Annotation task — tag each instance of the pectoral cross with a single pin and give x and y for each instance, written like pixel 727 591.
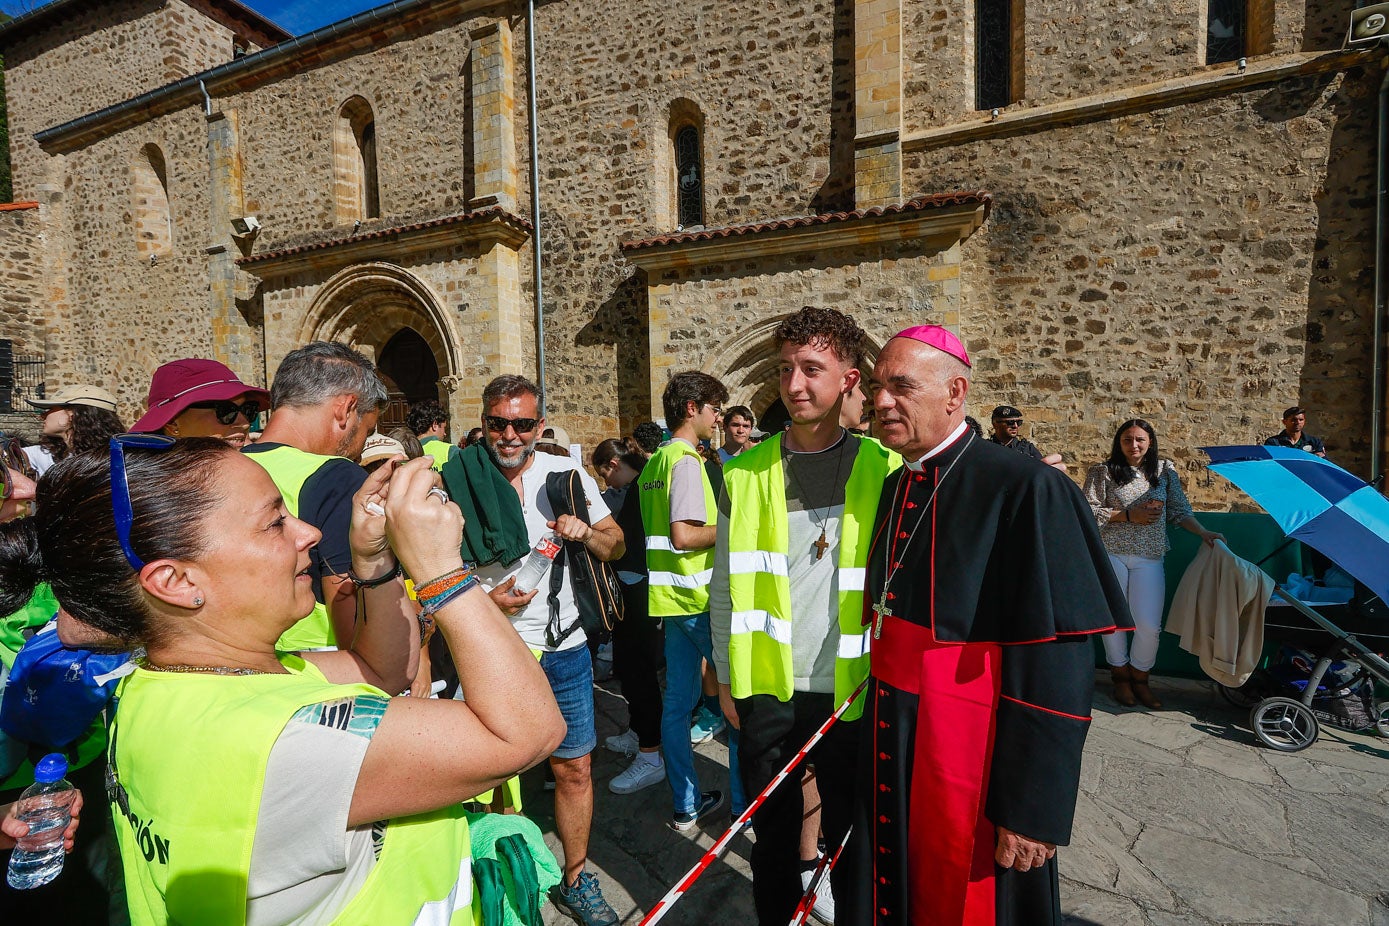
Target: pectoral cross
pixel 882 610
pixel 821 545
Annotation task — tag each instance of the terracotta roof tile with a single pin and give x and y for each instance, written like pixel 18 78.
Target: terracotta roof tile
pixel 919 204
pixel 480 215
pixel 15 207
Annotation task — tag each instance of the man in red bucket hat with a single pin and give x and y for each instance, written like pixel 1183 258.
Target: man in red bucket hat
pixel 201 398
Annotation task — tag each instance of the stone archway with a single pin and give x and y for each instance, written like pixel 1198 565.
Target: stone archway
pixel 370 305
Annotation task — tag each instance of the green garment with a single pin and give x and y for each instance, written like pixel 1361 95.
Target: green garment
pixel 494 529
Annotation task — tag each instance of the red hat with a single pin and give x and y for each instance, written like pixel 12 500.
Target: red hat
pixel 939 338
pixel 181 383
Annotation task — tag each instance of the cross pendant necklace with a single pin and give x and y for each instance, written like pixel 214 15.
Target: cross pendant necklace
pixel 821 545
pixel 881 609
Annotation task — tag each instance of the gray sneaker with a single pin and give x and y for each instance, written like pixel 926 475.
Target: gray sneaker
pixel 584 902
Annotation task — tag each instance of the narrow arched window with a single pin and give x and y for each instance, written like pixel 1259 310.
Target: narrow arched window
pixel 998 65
pixel 356 195
pixel 154 222
pixel 689 178
pixel 1227 25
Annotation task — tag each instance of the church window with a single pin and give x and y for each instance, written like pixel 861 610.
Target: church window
pixel 689 177
pixel 1226 27
pixel 997 53
pixel 154 222
pixel 356 194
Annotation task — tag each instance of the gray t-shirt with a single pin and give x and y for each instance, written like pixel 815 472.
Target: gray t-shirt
pixel 814 503
pixel 687 491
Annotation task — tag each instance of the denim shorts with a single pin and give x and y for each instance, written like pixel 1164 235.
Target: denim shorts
pixel 570 673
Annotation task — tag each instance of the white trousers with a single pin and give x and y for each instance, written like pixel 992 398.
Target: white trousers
pixel 1144 585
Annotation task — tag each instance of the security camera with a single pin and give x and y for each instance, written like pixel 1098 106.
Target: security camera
pixel 1368 25
pixel 245 226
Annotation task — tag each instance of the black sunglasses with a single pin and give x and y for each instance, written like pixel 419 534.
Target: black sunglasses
pixel 12 458
pixel 120 486
pixel 498 424
pixel 227 410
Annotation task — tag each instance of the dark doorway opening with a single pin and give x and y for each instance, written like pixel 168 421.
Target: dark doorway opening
pixel 411 374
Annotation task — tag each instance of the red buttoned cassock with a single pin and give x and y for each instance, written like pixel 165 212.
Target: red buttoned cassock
pixel 981 686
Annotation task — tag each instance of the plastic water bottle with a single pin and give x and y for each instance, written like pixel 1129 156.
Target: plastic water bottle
pixel 46 806
pixel 536 565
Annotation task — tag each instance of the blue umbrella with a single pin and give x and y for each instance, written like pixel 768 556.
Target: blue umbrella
pixel 1317 502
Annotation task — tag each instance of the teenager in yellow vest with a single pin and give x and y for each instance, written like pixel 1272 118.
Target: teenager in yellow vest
pixel 429 421
pixel 251 783
pixel 786 605
pixel 678 511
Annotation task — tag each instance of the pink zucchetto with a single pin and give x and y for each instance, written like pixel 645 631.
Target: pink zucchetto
pixel 939 338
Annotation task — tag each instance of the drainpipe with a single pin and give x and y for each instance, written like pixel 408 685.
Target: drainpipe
pixel 207 99
pixel 535 207
pixel 1381 218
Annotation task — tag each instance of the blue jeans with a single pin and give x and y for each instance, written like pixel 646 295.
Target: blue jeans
pixel 687 642
pixel 570 672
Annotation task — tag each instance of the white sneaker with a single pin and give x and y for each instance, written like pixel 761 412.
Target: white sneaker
pixel 625 743
pixel 640 774
pixel 823 911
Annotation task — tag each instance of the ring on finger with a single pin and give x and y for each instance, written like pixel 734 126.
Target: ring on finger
pixel 440 494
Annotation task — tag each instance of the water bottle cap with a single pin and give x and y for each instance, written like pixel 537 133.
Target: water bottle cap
pixel 51 768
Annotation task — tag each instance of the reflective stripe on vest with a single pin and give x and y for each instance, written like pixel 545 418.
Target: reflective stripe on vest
pixel 759 647
pixel 289 469
pixel 186 848
pixel 679 579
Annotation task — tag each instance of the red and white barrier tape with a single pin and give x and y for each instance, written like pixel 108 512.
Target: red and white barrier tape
pixel 822 871
pixel 663 905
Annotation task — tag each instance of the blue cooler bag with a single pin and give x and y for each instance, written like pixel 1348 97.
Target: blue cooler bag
pixel 54 692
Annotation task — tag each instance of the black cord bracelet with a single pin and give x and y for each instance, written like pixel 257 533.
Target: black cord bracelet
pixel 358 581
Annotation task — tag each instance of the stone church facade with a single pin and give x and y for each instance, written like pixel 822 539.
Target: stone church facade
pixel 1124 212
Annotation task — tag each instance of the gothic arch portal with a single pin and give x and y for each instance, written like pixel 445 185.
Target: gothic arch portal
pixel 366 305
pixel 748 365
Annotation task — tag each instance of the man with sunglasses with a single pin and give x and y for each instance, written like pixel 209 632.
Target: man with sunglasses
pixel 500 483
pixel 326 398
pixel 201 398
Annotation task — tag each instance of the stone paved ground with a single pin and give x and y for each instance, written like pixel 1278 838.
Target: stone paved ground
pixel 1183 820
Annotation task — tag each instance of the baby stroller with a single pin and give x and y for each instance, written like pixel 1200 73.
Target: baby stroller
pixel 1347 521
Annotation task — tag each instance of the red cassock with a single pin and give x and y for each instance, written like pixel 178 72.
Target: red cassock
pixel 983 674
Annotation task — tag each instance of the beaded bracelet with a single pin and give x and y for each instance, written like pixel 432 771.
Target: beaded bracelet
pixel 436 585
pixel 431 605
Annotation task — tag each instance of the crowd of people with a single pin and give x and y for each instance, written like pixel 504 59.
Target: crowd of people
pixel 335 679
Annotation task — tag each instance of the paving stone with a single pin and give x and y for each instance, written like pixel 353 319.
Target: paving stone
pixel 1111 743
pixel 1191 800
pixel 1232 760
pixel 1300 774
pixel 1086 906
pixel 1345 835
pixel 1229 886
pixel 1155 729
pixel 1098 856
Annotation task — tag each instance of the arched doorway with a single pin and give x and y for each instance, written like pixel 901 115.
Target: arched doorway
pixel 411 374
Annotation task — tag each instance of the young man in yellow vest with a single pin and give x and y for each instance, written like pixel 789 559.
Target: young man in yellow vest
pixel 786 604
pixel 429 421
pixel 678 512
pixel 324 402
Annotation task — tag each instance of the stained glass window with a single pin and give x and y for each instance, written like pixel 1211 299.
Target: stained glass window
pixel 993 57
pixel 1225 30
pixel 689 178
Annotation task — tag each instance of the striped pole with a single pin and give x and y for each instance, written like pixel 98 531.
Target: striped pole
pixel 822 871
pixel 663 905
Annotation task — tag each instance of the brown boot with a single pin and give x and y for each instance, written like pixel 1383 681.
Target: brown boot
pixel 1143 692
pixel 1123 690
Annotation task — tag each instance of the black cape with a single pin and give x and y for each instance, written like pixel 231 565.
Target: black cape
pixel 1009 555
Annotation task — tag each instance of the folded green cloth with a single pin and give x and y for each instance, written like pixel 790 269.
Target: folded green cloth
pixel 494 529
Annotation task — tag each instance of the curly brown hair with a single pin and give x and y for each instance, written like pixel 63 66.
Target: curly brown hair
pixel 824 328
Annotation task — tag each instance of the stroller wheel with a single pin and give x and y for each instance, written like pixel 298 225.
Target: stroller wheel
pixel 1245 696
pixel 1284 724
pixel 1382 722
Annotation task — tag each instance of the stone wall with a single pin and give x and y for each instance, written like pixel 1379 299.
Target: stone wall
pixel 1201 266
pixel 23 315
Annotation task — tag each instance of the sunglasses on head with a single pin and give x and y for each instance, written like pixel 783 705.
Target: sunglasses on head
pixel 12 458
pixel 120 485
pixel 497 424
pixel 227 410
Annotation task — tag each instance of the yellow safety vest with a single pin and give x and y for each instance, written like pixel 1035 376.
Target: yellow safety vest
pixel 679 579
pixel 190 752
pixel 759 647
pixel 289 469
pixel 438 449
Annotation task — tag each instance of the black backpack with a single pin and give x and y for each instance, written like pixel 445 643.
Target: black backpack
pixel 597 592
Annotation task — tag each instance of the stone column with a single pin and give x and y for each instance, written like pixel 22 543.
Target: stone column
pixel 235 341
pixel 494 116
pixel 877 102
pixel 504 337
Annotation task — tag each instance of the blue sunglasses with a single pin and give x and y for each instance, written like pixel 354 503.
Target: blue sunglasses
pixel 120 486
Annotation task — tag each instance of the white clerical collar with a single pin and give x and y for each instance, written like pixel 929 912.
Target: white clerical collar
pixel 916 466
